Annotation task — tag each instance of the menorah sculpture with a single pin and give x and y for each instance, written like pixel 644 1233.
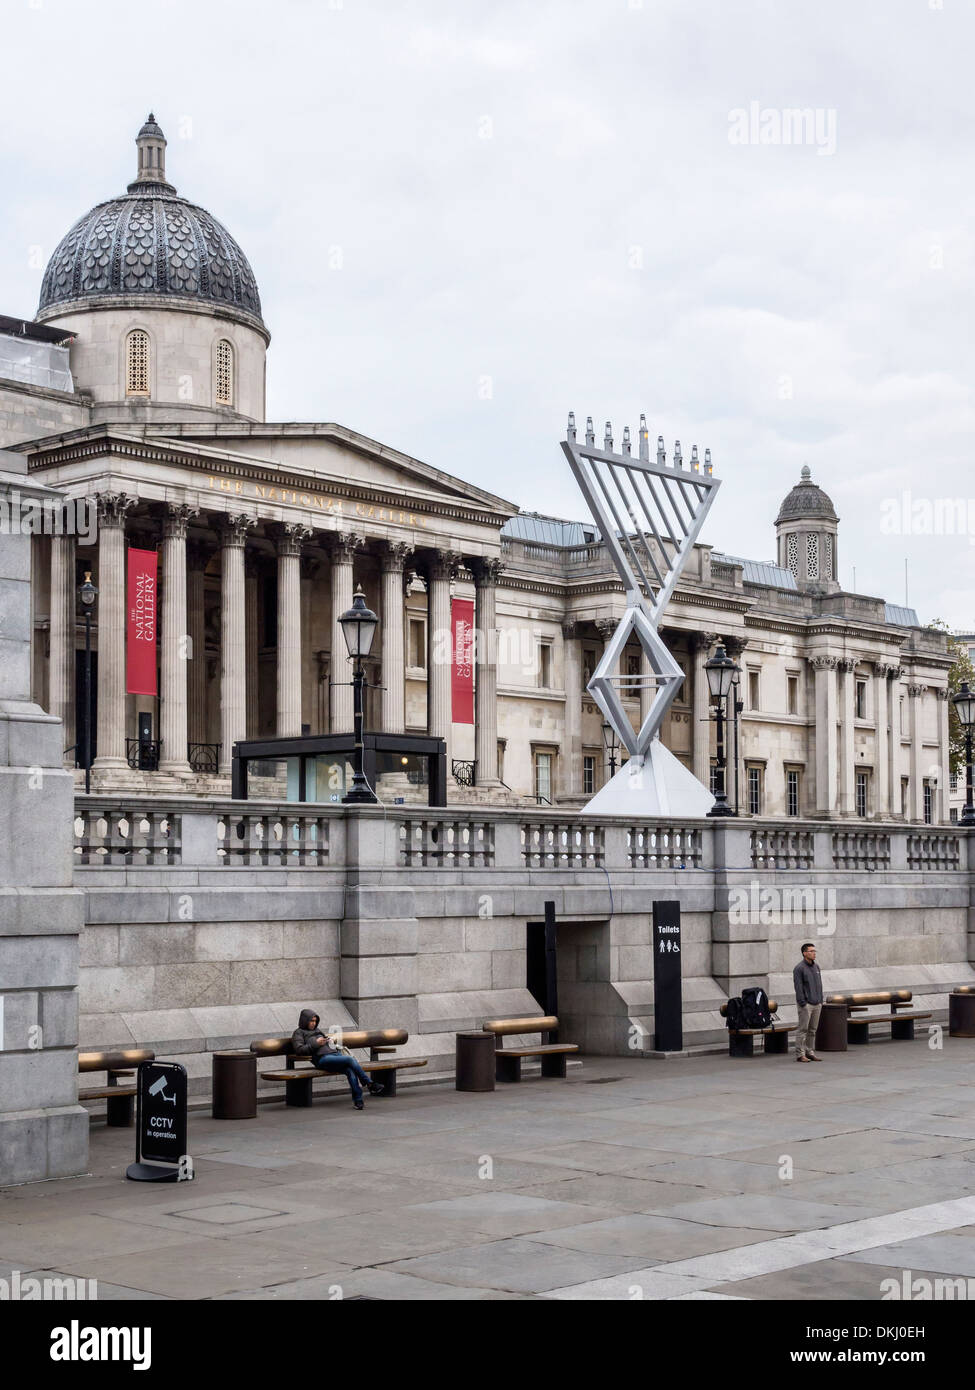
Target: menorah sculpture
pixel 649 514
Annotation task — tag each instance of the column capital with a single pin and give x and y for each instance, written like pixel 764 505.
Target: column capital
pixel 734 646
pixel 233 529
pixel 702 641
pixel 486 569
pixel 393 556
pixel 883 669
pixel 571 630
pixel 344 546
pixel 113 507
pixel 442 564
pixel 916 691
pixel 290 536
pixel 177 518
pixel 606 627
pixel 846 663
pixel 942 692
pixel 823 663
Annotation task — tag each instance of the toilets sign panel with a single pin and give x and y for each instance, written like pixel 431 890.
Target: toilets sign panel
pixel 668 1013
pixel 162 1111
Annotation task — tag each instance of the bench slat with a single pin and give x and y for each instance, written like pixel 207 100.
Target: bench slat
pixel 882 1018
pixel 501 1027
pixel 774 1028
pixel 310 1073
pixel 107 1093
pixel 114 1061
pixel 536 1051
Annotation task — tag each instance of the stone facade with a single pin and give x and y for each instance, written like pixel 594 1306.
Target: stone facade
pixel 43 1130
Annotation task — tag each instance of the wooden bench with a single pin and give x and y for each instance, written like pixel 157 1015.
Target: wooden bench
pixel 858 1029
pixel 741 1041
pixel 299 1079
pixel 121 1064
pixel 507 1061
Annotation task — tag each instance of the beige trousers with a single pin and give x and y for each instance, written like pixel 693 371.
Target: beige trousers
pixel 806 1032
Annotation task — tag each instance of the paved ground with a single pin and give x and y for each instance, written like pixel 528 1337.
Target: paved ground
pixel 709 1178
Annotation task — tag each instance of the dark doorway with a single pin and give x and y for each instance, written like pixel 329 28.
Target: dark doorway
pixel 79 707
pixel 541 960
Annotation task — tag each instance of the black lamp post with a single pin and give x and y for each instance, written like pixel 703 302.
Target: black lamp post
pixel 359 625
pixel 88 594
pixel 611 744
pixel 964 703
pixel 721 672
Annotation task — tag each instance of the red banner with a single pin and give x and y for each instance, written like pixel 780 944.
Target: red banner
pixel 141 626
pixel 462 656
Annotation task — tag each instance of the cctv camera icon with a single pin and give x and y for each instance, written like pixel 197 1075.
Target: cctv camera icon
pixel 158 1088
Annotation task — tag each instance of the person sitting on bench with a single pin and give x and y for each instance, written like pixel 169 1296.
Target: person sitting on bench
pixel 308 1040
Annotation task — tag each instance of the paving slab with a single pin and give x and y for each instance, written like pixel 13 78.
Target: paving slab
pixel 522 1266
pixel 657 1239
pixel 827 1280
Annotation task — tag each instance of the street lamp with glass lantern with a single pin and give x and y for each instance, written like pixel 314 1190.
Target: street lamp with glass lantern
pixel 359 625
pixel 88 593
pixel 964 703
pixel 611 745
pixel 721 672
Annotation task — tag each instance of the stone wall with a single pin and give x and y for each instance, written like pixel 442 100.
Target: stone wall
pixel 28 412
pixel 212 924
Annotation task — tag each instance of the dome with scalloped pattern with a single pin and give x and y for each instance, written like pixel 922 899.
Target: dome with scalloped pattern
pixel 151 245
pixel 806 500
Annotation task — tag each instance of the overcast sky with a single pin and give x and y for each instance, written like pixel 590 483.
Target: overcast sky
pixel 466 219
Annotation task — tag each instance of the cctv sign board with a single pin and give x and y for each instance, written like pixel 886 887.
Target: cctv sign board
pixel 162 1111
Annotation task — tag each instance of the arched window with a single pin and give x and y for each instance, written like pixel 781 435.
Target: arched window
pixel 225 373
pixel 137 363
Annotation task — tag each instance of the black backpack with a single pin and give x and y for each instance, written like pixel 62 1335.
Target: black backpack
pixel 754 1007
pixel 734 1014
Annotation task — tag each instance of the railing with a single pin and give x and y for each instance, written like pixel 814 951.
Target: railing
pixel 562 845
pixel 464 773
pixel 664 847
pixel 860 849
pixel 289 840
pixel 204 757
pixel 782 849
pixel 143 755
pixel 933 852
pixel 439 844
pixel 126 837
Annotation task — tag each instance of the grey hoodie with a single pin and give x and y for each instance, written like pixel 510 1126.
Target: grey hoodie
pixel 307 1041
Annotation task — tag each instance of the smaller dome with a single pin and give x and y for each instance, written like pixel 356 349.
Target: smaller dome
pixel 806 502
pixel 150 128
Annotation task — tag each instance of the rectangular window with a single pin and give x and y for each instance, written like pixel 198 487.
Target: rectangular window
pixel 953 781
pixel 713 779
pixel 905 795
pixel 953 815
pixel 755 791
pixel 543 777
pixel 753 690
pixel 588 776
pixel 928 804
pixel 861 793
pixel 545 665
pixel 861 700
pixel 792 694
pixel 792 791
pixel 589 660
pixel 418 644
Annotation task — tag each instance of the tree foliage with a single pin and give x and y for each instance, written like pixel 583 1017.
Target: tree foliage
pixel 962 670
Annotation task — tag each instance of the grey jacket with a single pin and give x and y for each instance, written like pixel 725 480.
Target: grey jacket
pixel 808 981
pixel 307 1041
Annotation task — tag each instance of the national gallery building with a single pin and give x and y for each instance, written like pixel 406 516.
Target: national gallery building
pixel 228 547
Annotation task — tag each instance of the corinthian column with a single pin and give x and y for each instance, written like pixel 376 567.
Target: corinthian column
pixel 825 668
pixel 175 643
pixel 701 644
pixel 197 557
pixel 487 572
pixel 62 658
pixel 393 554
pixel 881 670
pixel 343 549
pixel 291 537
pixel 847 666
pixel 233 673
pixel 250 637
pixel 112 508
pixel 916 790
pixel 572 664
pixel 441 568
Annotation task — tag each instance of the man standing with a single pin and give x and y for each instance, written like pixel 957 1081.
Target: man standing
pixel 808 981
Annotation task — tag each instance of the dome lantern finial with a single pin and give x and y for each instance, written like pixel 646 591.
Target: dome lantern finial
pixel 151 144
